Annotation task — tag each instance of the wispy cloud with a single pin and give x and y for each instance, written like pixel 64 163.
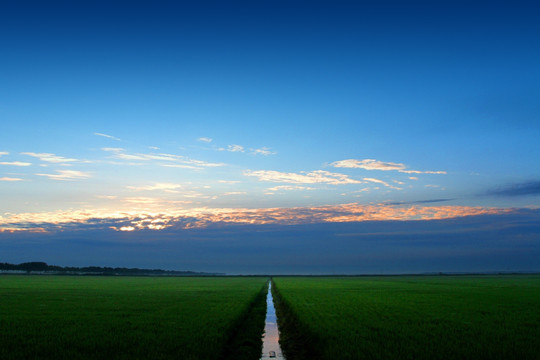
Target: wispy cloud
pixel 521 189
pixel 107 136
pixel 289 188
pixel 67 175
pixel 205 139
pixel 373 180
pixel 108 197
pixel 181 166
pixel 15 163
pixel 430 201
pixel 239 148
pixel 167 187
pixel 5 178
pixel 166 160
pixel 314 177
pixel 200 163
pixel 263 151
pixel 2 153
pixel 229 193
pixel 423 172
pixel 233 148
pixel 51 158
pixel 154 202
pixel 372 164
pixel 113 149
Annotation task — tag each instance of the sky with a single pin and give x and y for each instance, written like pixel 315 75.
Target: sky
pixel 182 134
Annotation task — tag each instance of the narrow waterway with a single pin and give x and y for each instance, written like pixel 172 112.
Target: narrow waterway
pixel 271 347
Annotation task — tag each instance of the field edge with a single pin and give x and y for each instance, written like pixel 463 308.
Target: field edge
pixel 245 342
pixel 296 340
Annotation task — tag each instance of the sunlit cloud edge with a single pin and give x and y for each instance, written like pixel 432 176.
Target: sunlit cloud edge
pixel 181 218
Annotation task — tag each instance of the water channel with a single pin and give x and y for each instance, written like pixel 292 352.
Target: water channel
pixel 271 347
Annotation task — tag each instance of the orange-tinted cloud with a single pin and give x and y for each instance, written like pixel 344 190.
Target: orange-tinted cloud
pixel 314 177
pixel 204 217
pixel 372 164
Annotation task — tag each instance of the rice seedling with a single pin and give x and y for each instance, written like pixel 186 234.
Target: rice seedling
pixel 424 317
pixel 62 317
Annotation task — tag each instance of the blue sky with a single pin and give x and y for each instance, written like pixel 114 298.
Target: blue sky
pixel 216 111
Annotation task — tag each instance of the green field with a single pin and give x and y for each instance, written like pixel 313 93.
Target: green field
pixel 439 317
pixel 61 317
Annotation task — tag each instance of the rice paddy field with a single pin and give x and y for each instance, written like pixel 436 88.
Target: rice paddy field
pixel 62 317
pixel 424 317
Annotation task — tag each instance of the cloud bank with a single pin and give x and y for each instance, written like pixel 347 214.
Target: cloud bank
pixel 181 218
pixel 521 189
pixel 507 241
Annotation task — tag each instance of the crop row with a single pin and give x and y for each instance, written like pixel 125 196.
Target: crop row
pixel 58 317
pixel 409 317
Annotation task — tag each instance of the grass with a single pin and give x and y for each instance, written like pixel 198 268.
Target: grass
pixel 462 317
pixel 60 317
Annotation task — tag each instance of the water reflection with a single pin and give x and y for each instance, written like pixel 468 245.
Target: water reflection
pixel 271 347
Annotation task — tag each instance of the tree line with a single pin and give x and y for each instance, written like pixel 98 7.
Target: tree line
pixel 39 266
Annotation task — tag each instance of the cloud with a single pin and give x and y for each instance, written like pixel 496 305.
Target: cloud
pixel 205 139
pixel 166 160
pixel 5 178
pixel 153 203
pixel 521 189
pixel 314 177
pixel 239 148
pixel 200 163
pixel 372 164
pixel 2 153
pixel 228 181
pixel 107 136
pixel 168 187
pixel 377 181
pixel 413 178
pixel 234 193
pixel 15 163
pixel 423 172
pixel 107 197
pixel 289 188
pixel 180 166
pixel 67 175
pixel 418 202
pixel 263 151
pixel 233 148
pixel 113 149
pixel 52 158
pixel 173 215
pixel 368 164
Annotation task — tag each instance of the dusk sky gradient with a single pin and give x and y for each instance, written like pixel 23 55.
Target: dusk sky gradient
pixel 146 122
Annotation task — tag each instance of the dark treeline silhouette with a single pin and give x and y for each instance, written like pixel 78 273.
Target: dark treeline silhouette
pixel 38 266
